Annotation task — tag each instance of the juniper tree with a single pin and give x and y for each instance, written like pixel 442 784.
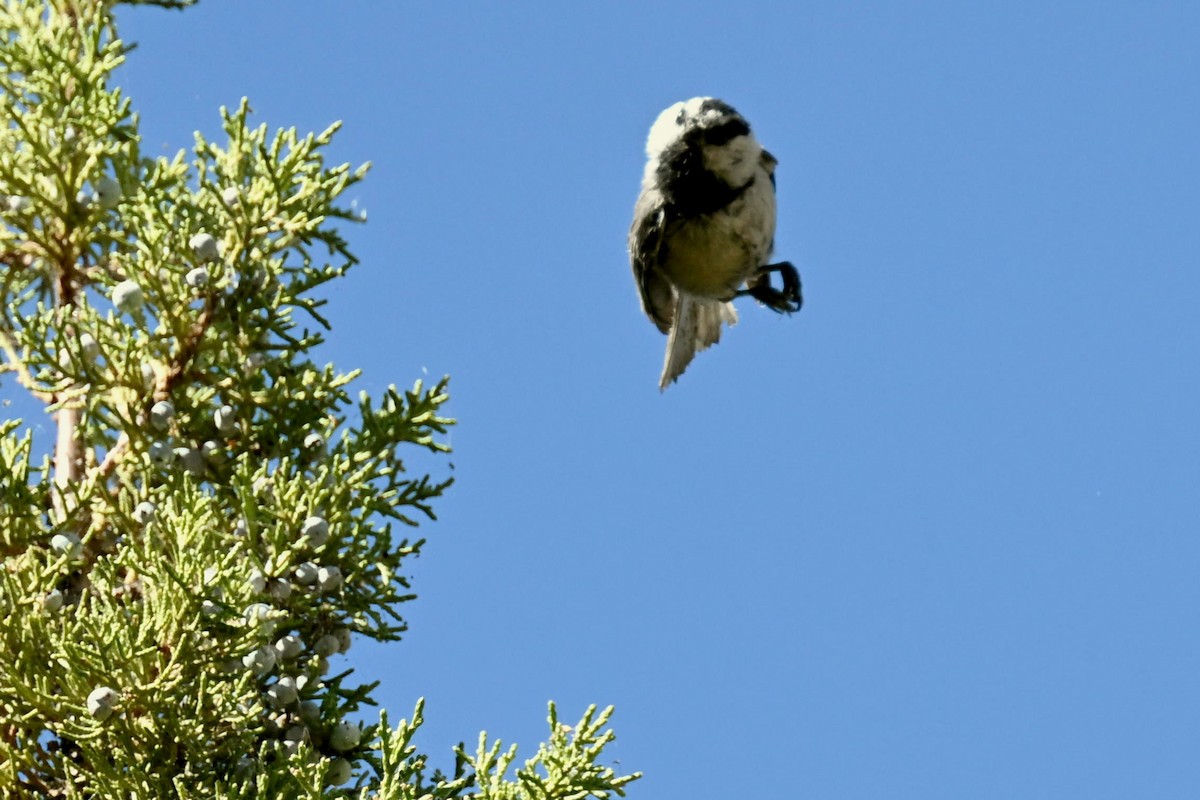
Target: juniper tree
pixel 216 517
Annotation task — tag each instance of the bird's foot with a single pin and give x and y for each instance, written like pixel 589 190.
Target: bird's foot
pixel 786 300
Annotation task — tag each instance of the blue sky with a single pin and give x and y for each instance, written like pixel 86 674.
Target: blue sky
pixel 936 536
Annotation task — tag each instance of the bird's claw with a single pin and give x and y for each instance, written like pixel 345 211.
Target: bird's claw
pixel 787 300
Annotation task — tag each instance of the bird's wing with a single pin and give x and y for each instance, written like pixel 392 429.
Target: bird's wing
pixel 645 241
pixel 768 163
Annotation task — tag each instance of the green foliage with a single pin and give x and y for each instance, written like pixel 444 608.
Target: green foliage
pixel 564 768
pixel 218 517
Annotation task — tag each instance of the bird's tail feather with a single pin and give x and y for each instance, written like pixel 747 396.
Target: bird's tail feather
pixel 696 325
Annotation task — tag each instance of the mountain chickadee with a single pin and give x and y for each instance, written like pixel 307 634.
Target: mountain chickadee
pixel 704 227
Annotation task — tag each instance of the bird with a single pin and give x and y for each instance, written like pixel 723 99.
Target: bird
pixel 704 228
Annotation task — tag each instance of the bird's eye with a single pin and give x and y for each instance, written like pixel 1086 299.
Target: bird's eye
pixel 681 117
pixel 729 129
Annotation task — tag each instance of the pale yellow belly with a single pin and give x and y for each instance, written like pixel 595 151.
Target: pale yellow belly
pixel 706 261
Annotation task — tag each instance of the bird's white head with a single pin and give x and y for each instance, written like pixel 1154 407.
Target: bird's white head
pixel 714 129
